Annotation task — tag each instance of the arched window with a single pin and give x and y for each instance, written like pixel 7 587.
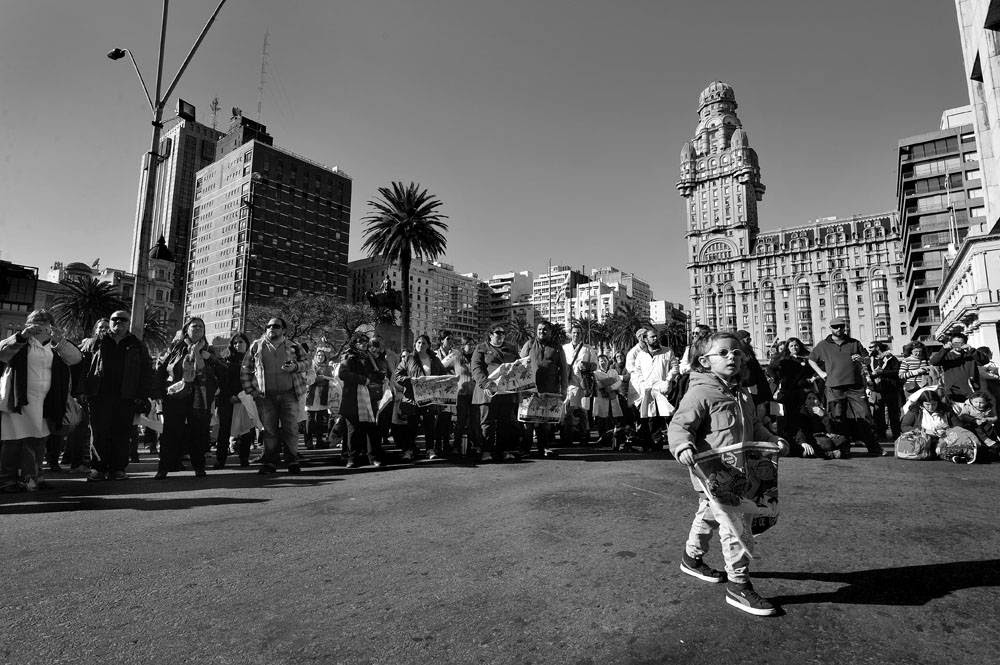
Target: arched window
pixel 717 250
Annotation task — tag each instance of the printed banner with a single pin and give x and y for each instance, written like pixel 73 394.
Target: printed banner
pixel 540 408
pixel 742 476
pixel 514 377
pixel 435 389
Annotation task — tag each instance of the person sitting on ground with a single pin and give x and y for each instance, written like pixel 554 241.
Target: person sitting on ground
pixel 814 437
pixel 978 415
pixel 930 413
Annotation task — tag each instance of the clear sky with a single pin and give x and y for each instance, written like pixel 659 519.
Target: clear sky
pixel 551 129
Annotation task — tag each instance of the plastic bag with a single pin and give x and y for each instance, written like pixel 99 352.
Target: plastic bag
pixel 958 445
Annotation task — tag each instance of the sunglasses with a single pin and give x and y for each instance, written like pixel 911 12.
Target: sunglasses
pixel 841 327
pixel 725 353
pixel 119 319
pixel 498 332
pixel 273 325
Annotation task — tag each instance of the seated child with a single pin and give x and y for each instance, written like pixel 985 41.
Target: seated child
pixel 978 415
pixel 814 436
pixel 717 411
pixel 930 413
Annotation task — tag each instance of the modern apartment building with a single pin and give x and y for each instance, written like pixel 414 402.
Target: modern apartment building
pixel 938 187
pixel 266 223
pixel 510 297
pixel 664 313
pixel 629 288
pixel 552 293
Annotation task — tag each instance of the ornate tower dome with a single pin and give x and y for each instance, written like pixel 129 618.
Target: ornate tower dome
pixel 717 91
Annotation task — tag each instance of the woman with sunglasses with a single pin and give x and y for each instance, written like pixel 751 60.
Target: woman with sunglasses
pixel 432 418
pixel 363 386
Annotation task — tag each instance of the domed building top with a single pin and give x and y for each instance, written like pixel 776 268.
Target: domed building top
pixel 717 91
pixel 78 268
pixel 161 252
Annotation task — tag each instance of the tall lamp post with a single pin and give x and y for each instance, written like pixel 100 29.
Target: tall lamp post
pixel 144 217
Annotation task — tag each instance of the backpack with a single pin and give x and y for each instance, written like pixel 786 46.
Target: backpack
pixel 915 445
pixel 958 445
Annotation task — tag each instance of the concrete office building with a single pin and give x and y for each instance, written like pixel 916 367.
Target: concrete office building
pixel 969 296
pixel 629 288
pixel 783 283
pixel 510 297
pixel 266 223
pixel 938 186
pixel 185 147
pixel 552 293
pixel 665 313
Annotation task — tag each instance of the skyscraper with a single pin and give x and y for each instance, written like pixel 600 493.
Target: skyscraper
pixel 266 223
pixel 185 146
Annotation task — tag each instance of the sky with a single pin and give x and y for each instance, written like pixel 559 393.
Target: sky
pixel 550 129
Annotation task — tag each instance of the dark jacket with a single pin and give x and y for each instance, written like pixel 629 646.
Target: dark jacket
pixel 413 368
pixel 792 373
pixel 170 370
pixel 959 370
pixel 911 419
pixel 355 369
pixel 14 354
pixel 885 373
pixel 485 359
pixel 137 371
pixel 551 368
pixel 230 385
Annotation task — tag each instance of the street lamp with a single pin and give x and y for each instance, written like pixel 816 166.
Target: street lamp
pixel 144 217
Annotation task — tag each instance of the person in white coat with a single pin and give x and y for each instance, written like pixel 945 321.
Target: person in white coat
pixel 655 370
pixel 582 362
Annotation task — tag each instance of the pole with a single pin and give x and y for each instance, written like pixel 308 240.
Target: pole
pixel 141 267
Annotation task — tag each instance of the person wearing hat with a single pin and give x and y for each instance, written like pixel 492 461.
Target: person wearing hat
pixel 839 360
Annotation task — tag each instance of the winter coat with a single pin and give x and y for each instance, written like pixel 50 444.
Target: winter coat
pixel 170 370
pixel 137 370
pixel 355 369
pixel 413 368
pixel 252 368
pixel 485 359
pixel 549 362
pixel 960 371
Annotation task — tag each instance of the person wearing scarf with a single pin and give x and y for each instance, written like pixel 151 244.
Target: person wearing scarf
pixel 317 402
pixel 34 369
pixel 225 403
pixel 363 386
pixel 191 373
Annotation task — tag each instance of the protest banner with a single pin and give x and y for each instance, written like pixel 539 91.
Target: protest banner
pixel 743 478
pixel 540 408
pixel 514 377
pixel 435 389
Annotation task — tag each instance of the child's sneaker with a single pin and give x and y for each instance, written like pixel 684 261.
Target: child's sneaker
pixel 695 567
pixel 744 598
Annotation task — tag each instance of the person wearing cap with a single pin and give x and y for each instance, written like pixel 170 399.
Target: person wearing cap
pixel 839 360
pixel 34 366
pixel 118 383
pixel 498 411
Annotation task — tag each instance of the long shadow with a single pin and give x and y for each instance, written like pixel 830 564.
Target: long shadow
pixel 59 504
pixel 905 585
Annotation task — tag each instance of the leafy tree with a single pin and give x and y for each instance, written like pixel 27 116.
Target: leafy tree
pixel 519 332
pixel 675 336
pixel 309 316
pixel 85 301
pixel 405 224
pixel 349 318
pixel 623 325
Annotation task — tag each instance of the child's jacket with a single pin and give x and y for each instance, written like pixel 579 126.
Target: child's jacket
pixel 713 414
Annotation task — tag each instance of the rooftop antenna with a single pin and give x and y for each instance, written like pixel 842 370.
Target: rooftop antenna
pixel 214 108
pixel 263 70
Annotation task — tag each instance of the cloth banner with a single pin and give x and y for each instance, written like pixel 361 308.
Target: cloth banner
pixel 335 397
pixel 742 476
pixel 541 408
pixel 514 377
pixel 435 389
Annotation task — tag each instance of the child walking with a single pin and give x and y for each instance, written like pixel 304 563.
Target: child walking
pixel 715 412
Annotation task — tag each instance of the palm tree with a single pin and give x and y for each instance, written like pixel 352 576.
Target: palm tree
pixel 518 331
pixel 85 301
pixel 594 333
pixel 404 224
pixel 623 325
pixel 154 331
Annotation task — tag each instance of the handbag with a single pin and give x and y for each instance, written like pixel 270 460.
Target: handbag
pixel 72 416
pixel 7 389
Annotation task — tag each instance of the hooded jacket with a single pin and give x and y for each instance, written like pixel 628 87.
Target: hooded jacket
pixel 713 414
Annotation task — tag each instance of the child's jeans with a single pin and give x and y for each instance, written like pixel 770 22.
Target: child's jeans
pixel 734 551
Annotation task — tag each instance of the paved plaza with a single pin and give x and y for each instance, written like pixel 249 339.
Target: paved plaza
pixel 572 560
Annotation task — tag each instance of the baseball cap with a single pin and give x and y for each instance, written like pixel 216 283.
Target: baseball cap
pixel 839 321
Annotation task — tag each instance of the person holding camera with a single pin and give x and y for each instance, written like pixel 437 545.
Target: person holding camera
pixel 959 365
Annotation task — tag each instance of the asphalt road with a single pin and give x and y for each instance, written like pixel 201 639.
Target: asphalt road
pixel 571 560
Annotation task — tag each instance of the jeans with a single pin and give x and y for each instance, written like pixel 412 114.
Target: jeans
pixel 185 430
pixel 734 536
pixel 316 428
pixel 111 420
pixel 25 455
pixel 499 423
pixel 849 414
pixel 362 438
pixel 435 422
pixel 467 425
pixel 279 410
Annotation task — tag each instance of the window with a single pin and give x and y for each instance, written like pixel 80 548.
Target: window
pixel 978 211
pixel 974 174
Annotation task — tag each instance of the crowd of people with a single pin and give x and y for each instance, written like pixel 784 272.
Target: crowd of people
pixel 90 406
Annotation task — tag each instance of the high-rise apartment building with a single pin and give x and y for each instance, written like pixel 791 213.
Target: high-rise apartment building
pixel 665 313
pixel 440 298
pixel 552 293
pixel 510 297
pixel 783 283
pixel 185 147
pixel 969 296
pixel 266 223
pixel 630 289
pixel 938 186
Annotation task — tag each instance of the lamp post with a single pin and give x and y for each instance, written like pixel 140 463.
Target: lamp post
pixel 144 217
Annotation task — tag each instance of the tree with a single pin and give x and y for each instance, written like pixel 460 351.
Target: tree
pixel 404 224
pixel 350 318
pixel 623 325
pixel 155 335
pixel 675 334
pixel 518 331
pixel 595 334
pixel 85 301
pixel 309 316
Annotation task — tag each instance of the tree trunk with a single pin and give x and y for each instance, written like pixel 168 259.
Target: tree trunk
pixel 404 273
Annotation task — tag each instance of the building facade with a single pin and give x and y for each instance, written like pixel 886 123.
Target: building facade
pixel 18 286
pixel 440 298
pixel 185 147
pixel 510 297
pixel 969 297
pixel 266 223
pixel 784 283
pixel 665 313
pixel 630 289
pixel 938 186
pixel 552 294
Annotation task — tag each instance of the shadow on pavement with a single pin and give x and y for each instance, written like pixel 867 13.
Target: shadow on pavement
pixel 57 504
pixel 905 585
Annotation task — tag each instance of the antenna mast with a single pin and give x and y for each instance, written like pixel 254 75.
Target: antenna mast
pixel 214 108
pixel 263 70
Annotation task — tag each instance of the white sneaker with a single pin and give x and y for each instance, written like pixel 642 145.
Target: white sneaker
pixel 31 484
pixel 408 456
